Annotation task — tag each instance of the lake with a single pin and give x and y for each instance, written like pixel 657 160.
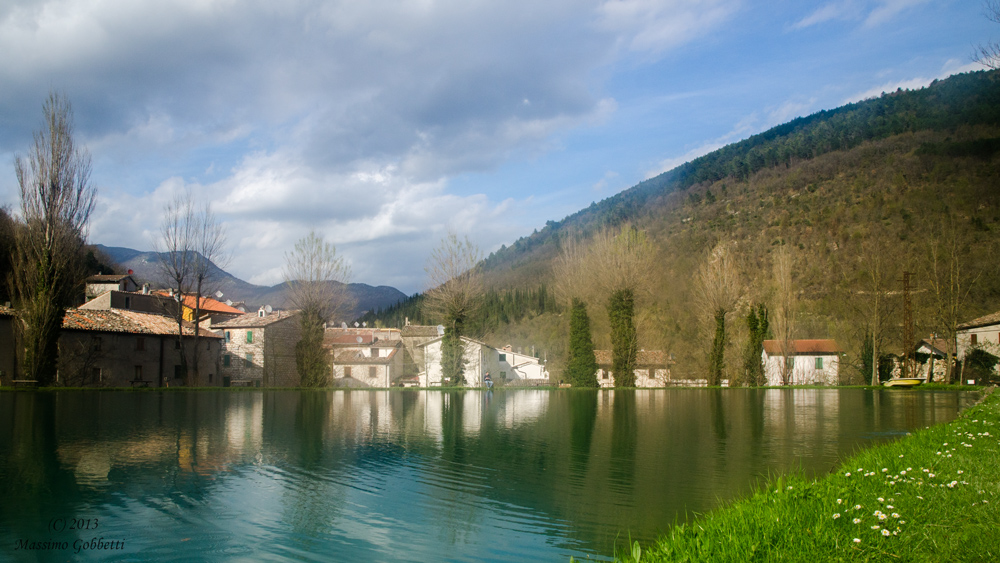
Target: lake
pixel 408 475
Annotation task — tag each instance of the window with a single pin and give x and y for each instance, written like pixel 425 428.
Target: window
pixel 974 339
pixel 347 371
pixel 503 357
pixel 372 371
pixel 209 378
pixel 226 360
pixel 248 360
pixel 138 373
pixel 604 374
pixel 228 337
pixel 374 352
pixel 140 343
pixel 819 363
pixel 96 344
pixel 249 337
pixel 128 302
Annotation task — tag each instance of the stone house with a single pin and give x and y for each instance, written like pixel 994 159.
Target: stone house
pixel 652 368
pixel 259 349
pixel 119 348
pixel 937 351
pixel 809 362
pixel 101 283
pixel 982 333
pixel 365 357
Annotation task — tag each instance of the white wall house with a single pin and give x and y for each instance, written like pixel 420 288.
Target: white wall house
pixel 983 333
pixel 477 356
pixel 809 362
pixel 652 369
pixel 508 366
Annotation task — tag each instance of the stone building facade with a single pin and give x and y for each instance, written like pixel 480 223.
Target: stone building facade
pixel 119 348
pixel 259 349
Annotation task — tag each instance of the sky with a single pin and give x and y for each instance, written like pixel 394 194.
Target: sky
pixel 385 125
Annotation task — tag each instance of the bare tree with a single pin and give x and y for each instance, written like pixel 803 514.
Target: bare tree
pixel 784 309
pixel 174 249
pixel 56 202
pixel 210 255
pixel 988 54
pixel 951 276
pixel 317 283
pixel 455 298
pixel 878 267
pixel 721 286
pixel 621 263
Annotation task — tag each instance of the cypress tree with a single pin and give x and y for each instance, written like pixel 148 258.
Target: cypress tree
pixel 758 326
pixel 624 343
pixel 716 358
pixel 581 367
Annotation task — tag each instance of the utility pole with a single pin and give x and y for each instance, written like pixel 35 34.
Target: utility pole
pixel 907 326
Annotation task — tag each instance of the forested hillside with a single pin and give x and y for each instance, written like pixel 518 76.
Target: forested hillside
pixel 853 197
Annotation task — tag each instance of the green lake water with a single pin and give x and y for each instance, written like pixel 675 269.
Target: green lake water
pixel 407 475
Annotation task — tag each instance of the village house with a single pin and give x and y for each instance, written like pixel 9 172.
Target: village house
pixel 505 366
pixel 936 350
pixel 119 348
pixel 101 283
pixel 652 368
pixel 517 368
pixel 366 357
pixel 982 333
pixel 475 354
pixel 259 349
pixel 809 362
pixel 413 355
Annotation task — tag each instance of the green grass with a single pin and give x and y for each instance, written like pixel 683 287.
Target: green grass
pixel 932 496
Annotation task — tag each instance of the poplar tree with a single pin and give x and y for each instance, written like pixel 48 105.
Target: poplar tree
pixel 56 202
pixel 581 366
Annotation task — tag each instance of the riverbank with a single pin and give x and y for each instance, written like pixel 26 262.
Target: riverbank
pixel 933 496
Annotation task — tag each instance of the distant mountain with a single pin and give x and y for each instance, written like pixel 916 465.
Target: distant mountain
pixel 145 267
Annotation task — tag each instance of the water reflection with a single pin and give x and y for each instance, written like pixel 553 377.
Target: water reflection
pixel 414 475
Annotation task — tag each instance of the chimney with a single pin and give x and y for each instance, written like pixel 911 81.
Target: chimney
pixel 145 289
pixel 406 321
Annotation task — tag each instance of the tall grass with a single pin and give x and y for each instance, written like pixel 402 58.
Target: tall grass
pixel 933 496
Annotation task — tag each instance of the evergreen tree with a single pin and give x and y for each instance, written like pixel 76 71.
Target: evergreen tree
pixel 581 367
pixel 311 359
pixel 452 356
pixel 624 344
pixel 757 326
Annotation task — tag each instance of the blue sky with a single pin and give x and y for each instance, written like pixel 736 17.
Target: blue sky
pixel 384 125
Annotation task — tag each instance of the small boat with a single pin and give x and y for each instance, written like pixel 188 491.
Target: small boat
pixel 904 382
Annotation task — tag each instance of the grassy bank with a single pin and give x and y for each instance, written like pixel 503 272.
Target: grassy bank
pixel 933 496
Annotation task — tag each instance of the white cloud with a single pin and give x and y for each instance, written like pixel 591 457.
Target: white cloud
pixel 832 11
pixel 887 10
pixel 657 25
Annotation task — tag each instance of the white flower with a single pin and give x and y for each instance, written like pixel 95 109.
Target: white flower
pixel 960 472
pixel 876 527
pixel 856 540
pixel 880 499
pixel 857 507
pixel 848 474
pixel 840 501
pixel 889 506
pixel 885 532
pixel 835 516
pixel 895 515
pixel 884 469
pixel 931 475
pixel 857 520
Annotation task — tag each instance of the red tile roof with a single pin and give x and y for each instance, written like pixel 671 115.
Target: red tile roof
pixel 818 347
pixel 131 322
pixel 209 305
pixel 107 278
pixel 356 357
